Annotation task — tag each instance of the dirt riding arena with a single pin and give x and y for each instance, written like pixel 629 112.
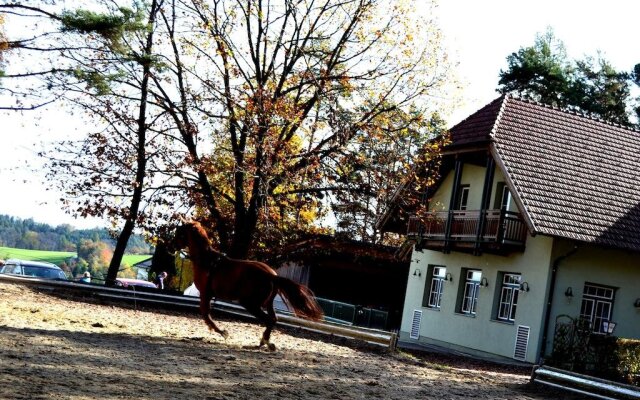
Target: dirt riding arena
pixel 53 348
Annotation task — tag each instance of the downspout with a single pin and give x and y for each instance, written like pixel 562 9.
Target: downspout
pixel 552 287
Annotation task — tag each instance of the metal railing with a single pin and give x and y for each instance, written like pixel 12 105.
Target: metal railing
pixel 351 314
pixel 161 300
pixel 583 384
pixel 499 226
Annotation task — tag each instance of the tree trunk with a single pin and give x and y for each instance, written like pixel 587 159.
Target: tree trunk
pixel 241 244
pixel 246 228
pixel 141 166
pixel 163 261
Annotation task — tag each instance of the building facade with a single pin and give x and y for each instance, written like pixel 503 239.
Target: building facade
pixel 534 218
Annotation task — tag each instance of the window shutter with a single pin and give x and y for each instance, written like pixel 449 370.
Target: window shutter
pixel 522 343
pixel 415 324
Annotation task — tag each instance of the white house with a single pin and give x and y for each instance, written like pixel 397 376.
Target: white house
pixel 536 216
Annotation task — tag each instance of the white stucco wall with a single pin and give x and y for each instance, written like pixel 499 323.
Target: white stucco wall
pixel 608 267
pixel 481 332
pixel 473 176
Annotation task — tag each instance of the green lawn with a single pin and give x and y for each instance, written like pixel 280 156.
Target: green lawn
pixel 57 257
pixel 131 259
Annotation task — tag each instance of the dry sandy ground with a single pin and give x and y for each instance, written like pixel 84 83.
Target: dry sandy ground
pixel 53 348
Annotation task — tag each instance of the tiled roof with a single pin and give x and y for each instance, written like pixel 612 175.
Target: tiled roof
pixel 477 127
pixel 350 251
pixel 576 177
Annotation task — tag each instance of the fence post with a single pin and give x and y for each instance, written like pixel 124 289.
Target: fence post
pixel 393 341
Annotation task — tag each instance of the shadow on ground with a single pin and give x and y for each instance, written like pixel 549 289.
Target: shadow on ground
pixel 45 364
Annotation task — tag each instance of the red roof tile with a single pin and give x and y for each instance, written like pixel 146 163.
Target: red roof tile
pixel 576 177
pixel 477 127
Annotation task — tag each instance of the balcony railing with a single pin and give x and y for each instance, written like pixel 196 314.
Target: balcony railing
pixel 501 230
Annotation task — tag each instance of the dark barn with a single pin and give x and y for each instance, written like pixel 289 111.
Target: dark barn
pixel 368 279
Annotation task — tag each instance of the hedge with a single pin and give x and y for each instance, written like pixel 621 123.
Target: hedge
pixel 628 357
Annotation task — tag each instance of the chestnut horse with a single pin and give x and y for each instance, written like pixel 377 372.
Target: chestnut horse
pixel 253 284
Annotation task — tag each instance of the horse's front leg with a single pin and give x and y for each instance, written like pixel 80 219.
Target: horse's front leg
pixel 205 311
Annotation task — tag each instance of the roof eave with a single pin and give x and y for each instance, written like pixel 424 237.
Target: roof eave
pixel 514 190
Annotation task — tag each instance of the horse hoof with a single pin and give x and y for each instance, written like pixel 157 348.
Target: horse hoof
pixel 225 334
pixel 270 346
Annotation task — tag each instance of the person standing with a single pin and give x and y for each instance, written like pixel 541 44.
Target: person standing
pixel 160 284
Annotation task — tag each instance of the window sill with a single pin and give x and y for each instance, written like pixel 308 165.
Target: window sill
pixel 430 308
pixel 464 314
pixel 503 322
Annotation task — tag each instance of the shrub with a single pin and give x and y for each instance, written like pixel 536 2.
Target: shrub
pixel 628 355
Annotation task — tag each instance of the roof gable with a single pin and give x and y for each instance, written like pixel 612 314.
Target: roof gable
pixel 575 176
pixel 477 127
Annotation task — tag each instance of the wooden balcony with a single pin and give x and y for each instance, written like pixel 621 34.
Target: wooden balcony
pixel 490 231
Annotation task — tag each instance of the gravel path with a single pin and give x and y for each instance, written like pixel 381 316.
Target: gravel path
pixel 54 348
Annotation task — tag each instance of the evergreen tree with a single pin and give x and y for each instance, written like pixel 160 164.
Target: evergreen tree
pixel 544 73
pixel 600 90
pixel 540 72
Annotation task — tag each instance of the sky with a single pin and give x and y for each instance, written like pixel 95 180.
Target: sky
pixel 478 35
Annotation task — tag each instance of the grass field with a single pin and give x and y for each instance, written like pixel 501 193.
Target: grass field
pixel 131 259
pixel 57 257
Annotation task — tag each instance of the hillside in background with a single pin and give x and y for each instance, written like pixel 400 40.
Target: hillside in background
pixel 31 235
pixel 54 257
pixel 59 257
pixel 76 251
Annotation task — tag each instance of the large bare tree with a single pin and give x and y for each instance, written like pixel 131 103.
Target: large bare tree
pixel 101 69
pixel 259 114
pixel 270 97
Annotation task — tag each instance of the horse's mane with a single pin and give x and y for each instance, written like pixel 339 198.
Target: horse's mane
pixel 202 238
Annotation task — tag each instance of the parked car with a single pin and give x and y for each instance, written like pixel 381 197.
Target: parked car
pixel 33 269
pixel 134 283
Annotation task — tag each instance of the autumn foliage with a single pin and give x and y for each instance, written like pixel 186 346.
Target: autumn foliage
pixel 268 120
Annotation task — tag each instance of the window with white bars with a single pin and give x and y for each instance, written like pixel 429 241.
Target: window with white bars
pixel 508 301
pixel 502 197
pixel 463 198
pixel 435 278
pixel 597 305
pixel 505 198
pixel 470 291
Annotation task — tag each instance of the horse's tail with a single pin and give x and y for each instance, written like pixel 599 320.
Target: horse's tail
pixel 299 298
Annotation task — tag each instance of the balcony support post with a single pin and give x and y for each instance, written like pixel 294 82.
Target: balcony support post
pixel 457 177
pixel 486 202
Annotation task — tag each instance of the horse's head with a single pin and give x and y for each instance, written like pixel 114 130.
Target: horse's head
pixel 180 238
pixel 188 233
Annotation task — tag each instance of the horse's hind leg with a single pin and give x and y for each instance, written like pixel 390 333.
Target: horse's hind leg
pixel 269 319
pixel 271 322
pixel 205 311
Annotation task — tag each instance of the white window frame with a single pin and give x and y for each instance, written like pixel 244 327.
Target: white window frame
pixel 470 293
pixel 463 199
pixel 597 305
pixel 505 199
pixel 508 300
pixel 436 286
